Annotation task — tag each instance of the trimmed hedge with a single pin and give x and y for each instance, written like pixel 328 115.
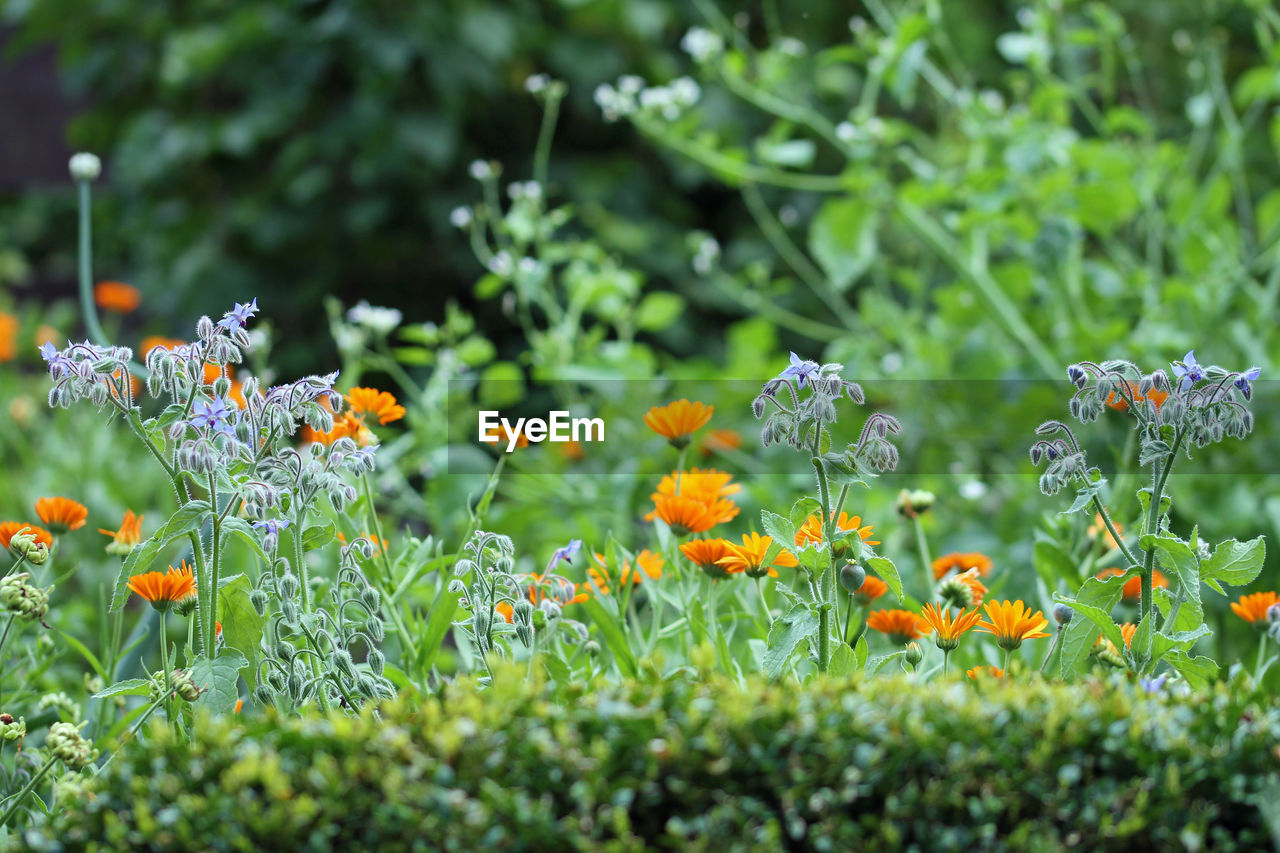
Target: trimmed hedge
pixel 880 764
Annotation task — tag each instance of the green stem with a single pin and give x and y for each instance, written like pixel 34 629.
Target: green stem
pixel 168 673
pixel 542 151
pixel 211 626
pixel 824 638
pixel 1052 647
pixel 1262 649
pixel 1115 534
pixel 1161 476
pixel 87 306
pixel 1007 654
pixel 17 564
pixel 22 795
pixel 922 547
pixel 406 640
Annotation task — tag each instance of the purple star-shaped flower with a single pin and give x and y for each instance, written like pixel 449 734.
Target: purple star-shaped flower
pixel 801 369
pixel 1243 380
pixel 273 526
pixel 1153 685
pixel 1189 371
pixel 215 415
pixel 238 316
pixel 565 553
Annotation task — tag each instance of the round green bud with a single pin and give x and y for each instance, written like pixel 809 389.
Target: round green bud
pixel 852 577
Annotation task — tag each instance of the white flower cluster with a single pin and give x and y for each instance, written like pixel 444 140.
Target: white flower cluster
pixel 702 44
pixel 631 95
pixel 379 320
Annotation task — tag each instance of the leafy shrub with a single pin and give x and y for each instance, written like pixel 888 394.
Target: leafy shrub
pixel 889 763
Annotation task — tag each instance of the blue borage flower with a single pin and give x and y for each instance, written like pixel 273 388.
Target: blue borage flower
pixel 216 416
pixel 565 553
pixel 1188 371
pixel 1244 379
pixel 800 368
pixel 238 316
pixel 1153 685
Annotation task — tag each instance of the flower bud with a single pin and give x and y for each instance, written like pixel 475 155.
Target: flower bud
pixel 914 654
pixel 852 577
pixel 85 167
pixel 914 502
pixel 377 661
pixel 592 648
pixel 21 598
pixel 258 598
pixel 65 743
pixel 184 686
pixel 11 729
pixel 1062 614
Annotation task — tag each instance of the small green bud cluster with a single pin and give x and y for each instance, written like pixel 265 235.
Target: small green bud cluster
pixel 66 744
pixel 22 598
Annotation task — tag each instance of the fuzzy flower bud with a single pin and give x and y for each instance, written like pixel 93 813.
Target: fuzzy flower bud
pixel 21 598
pixel 65 743
pixel 26 545
pixel 11 729
pixel 184 686
pixel 914 654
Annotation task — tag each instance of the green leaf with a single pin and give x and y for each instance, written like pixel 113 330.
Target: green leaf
pixel 611 628
pixel 1235 563
pixel 861 651
pixel 878 663
pixel 1079 635
pixel 218 678
pixel 315 537
pixel 1101 618
pixel 888 573
pixel 245 531
pixel 785 635
pixel 800 512
pixel 1084 497
pixel 187 519
pixel 128 687
pixel 843 661
pixel 778 528
pixel 1140 646
pixel 843 239
pixel 658 310
pixel 1177 557
pixel 442 611
pixel 241 624
pixel 1053 565
pixel 557 668
pixel 1197 670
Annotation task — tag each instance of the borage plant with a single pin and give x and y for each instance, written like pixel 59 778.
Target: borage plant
pixel 1200 406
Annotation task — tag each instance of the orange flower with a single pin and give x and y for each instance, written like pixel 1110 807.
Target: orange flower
pixel 537 592
pixel 687 515
pixel 871 589
pixel 677 421
pixel 811 530
pixel 963 590
pixel 1127 630
pixel 571 450
pixel 9 529
pixel 1253 608
pixel 1133 586
pixel 706 553
pixel 1012 622
pixel 720 440
pixel 8 336
pixel 165 590
pixel 900 626
pixel 239 706
pixel 705 484
pixel 993 671
pixel 378 545
pixel 129 534
pixel 1099 527
pixel 750 556
pixel 371 401
pixel 1116 400
pixel 117 296
pixel 61 514
pixel 947 631
pixel 961 562
pixel 650 564
pixel 150 342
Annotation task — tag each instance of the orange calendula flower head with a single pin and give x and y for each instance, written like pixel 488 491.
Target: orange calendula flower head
pixel 165 589
pixel 811 530
pixel 345 425
pixel 650 565
pixel 961 563
pixel 1133 586
pixel 705 484
pixel 677 421
pixel 1099 528
pixel 1012 622
pixel 1253 608
pixel 1127 630
pixel 947 631
pixel 685 515
pixel 871 589
pixel 963 590
pixel 61 514
pixel 751 557
pixel 8 336
pixel 129 534
pixel 117 296
pixel 1116 399
pixel 900 626
pixel 706 554
pixel 371 401
pixel 720 440
pixel 9 529
pixel 984 671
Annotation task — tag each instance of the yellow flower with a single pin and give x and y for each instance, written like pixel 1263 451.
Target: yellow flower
pixel 371 401
pixel 1253 608
pixel 961 562
pixel 1012 622
pixel 750 556
pixel 165 590
pixel 706 554
pixel 900 626
pixel 129 534
pixel 947 631
pixel 677 421
pixel 811 530
pixel 993 671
